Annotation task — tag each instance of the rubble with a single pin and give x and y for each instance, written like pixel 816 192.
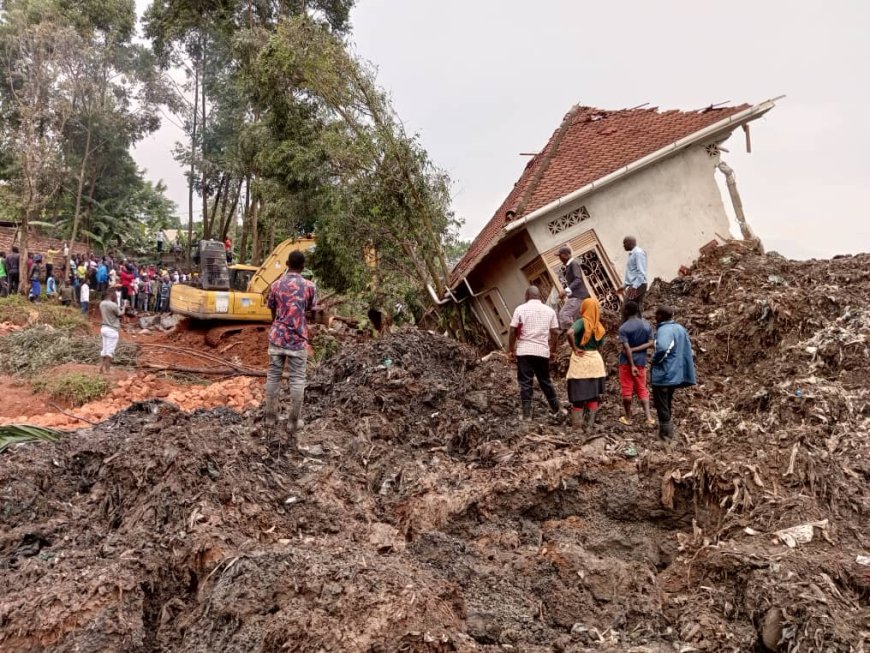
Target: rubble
pixel 421 515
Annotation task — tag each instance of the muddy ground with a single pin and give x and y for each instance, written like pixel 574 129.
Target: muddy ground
pixel 423 516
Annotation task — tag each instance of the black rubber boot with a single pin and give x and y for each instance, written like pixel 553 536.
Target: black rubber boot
pixel 666 430
pixel 527 410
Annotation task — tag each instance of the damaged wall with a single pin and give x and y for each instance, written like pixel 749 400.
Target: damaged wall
pixel 673 208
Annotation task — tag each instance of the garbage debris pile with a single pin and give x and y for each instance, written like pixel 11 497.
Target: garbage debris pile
pixel 420 514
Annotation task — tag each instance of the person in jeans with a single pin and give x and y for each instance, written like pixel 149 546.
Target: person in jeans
pixel 672 367
pixel 532 342
pixel 85 297
pixel 635 337
pixel 290 298
pixel 635 282
pixel 110 329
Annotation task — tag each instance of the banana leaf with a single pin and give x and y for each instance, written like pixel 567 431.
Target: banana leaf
pixel 21 433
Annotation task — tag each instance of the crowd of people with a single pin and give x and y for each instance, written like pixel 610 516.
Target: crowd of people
pixel 536 330
pixel 139 287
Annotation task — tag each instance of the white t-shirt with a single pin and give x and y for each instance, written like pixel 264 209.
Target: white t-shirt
pixel 85 293
pixel 537 320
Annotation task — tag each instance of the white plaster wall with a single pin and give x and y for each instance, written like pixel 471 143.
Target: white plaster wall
pixel 502 270
pixel 673 208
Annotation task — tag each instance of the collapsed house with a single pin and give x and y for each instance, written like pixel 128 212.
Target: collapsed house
pixel 604 175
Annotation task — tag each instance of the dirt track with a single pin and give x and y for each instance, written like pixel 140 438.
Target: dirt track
pixel 425 517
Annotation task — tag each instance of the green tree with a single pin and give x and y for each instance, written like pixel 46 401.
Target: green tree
pixel 39 76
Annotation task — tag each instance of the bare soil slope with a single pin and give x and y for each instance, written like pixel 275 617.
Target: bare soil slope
pixel 425 517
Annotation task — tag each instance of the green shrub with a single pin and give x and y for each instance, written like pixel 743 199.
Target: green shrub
pixel 30 350
pixel 77 388
pixel 18 310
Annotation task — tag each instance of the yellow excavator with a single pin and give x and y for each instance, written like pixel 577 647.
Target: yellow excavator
pixel 235 293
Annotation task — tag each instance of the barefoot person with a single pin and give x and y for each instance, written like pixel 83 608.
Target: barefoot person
pixel 534 334
pixel 672 367
pixel 586 373
pixel 290 298
pixel 635 337
pixel 110 329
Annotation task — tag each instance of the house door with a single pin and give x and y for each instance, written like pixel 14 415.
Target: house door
pixel 538 275
pixel 497 314
pixel 601 279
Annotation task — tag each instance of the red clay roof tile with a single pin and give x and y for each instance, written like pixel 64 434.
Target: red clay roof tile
pixel 589 144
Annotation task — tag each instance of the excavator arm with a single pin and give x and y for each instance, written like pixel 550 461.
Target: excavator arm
pixel 276 263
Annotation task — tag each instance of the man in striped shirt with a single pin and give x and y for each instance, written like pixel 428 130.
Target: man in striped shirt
pixel 532 343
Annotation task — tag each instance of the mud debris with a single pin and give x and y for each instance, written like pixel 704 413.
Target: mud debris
pixel 427 517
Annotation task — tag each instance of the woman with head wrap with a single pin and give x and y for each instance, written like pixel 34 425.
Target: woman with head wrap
pixel 586 372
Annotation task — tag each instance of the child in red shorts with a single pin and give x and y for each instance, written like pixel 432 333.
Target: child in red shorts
pixel 636 337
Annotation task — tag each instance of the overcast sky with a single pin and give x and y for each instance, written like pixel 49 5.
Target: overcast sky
pixel 483 80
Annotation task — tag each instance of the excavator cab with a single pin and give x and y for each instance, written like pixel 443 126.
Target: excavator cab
pixel 240 276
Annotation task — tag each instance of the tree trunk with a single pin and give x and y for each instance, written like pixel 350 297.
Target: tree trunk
pixel 228 217
pixel 204 166
pixel 78 211
pixel 192 167
pixel 246 220
pixel 255 232
pixel 23 277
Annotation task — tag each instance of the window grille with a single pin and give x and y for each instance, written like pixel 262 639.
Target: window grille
pixel 570 219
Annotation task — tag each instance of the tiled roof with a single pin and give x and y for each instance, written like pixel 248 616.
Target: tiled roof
pixel 589 144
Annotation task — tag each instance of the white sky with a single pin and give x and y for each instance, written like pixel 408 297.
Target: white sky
pixel 483 80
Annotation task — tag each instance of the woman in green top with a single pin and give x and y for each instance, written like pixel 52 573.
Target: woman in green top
pixel 586 373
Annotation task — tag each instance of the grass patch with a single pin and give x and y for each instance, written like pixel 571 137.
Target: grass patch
pixel 18 310
pixel 31 350
pixel 77 388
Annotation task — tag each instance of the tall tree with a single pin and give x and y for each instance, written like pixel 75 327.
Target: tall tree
pixel 39 86
pixel 389 202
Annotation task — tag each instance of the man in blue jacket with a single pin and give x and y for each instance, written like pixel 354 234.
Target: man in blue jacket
pixel 672 367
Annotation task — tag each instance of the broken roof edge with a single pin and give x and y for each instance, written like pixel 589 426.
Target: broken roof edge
pixel 732 121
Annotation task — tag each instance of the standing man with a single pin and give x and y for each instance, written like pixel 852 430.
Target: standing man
pixel 635 272
pixel 574 291
pixel 110 330
pixel 290 298
pixel 161 237
pixel 13 270
pixel 672 367
pixel 534 336
pixel 85 297
pixel 102 276
pixel 635 337
pixel 35 273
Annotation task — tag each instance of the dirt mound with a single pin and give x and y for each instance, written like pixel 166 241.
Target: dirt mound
pixel 425 517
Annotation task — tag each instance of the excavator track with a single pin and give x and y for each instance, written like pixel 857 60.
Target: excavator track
pixel 214 335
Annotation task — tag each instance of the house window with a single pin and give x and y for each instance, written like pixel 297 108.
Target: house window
pixel 597 270
pixel 599 280
pixel 570 219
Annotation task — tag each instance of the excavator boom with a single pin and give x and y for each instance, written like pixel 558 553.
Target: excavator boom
pixel 276 263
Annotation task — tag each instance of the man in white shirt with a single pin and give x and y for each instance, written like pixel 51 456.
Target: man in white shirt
pixel 533 339
pixel 85 297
